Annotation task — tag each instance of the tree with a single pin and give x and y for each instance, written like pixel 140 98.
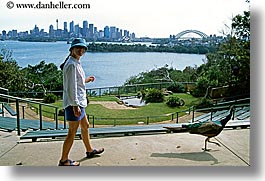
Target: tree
pixel 10 76
pixel 39 78
pixel 241 24
pixel 43 74
pixel 230 64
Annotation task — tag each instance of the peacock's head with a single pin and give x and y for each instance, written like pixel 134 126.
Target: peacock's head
pixel 232 108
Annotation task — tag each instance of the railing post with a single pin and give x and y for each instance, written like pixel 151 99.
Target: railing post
pixel 193 110
pixel 93 121
pixel 18 120
pixel 177 119
pixel 119 91
pixel 147 122
pixel 23 112
pixel 233 115
pixel 3 114
pixel 40 111
pixel 56 117
pixel 211 113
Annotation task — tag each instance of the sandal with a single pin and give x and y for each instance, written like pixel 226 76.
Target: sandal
pixel 94 152
pixel 71 163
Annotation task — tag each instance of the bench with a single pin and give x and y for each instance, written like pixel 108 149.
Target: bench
pixel 9 109
pixel 238 124
pixel 244 116
pixel 10 124
pixel 234 124
pixel 118 130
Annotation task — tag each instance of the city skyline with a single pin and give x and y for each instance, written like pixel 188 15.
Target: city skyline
pixel 158 19
pixel 69 31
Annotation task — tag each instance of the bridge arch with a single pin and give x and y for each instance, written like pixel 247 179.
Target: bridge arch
pixel 180 34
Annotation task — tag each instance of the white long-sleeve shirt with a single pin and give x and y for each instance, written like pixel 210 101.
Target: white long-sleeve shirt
pixel 74 89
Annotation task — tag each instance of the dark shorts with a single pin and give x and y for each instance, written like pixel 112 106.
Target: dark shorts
pixel 69 114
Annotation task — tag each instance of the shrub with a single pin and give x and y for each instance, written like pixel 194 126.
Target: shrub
pixel 201 87
pixel 50 98
pixel 204 103
pixel 174 101
pixel 154 95
pixel 176 88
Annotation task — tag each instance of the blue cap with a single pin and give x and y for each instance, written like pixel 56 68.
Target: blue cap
pixel 78 42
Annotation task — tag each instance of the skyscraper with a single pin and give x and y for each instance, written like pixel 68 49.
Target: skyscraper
pixel 77 31
pixel 71 26
pixel 65 26
pixel 85 29
pixel 91 31
pixel 112 32
pixel 51 31
pixel 106 32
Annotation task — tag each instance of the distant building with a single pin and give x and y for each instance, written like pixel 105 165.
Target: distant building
pixel 106 32
pixel 91 31
pixel 71 27
pixel 51 31
pixel 112 32
pixel 77 31
pixel 65 27
pixel 85 29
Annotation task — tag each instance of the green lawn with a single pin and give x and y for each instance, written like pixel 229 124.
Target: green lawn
pixel 153 112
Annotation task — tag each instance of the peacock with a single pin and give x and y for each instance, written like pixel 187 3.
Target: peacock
pixel 207 128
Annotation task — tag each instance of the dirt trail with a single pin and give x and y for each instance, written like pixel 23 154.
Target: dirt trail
pixel 111 105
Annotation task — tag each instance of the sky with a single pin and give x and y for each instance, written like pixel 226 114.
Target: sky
pixel 155 19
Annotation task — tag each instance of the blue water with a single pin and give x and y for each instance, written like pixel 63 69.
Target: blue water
pixel 110 69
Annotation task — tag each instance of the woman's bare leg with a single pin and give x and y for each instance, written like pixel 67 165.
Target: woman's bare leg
pixel 84 124
pixel 67 145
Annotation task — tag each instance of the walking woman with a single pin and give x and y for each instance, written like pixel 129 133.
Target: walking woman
pixel 75 102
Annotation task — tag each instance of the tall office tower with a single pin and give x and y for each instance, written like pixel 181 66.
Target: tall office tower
pixel 35 31
pixel 133 36
pixel 126 33
pixel 77 30
pixel 106 32
pixel 71 27
pixel 65 27
pixel 101 34
pixel 85 29
pixel 51 31
pixel 112 32
pixel 91 30
pixel 118 35
pixel 96 33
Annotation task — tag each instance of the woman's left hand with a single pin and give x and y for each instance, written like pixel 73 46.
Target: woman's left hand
pixel 90 79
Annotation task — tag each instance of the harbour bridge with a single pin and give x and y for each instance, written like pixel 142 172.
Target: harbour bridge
pixel 201 34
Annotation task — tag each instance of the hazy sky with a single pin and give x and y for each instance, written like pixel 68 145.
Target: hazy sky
pixel 156 18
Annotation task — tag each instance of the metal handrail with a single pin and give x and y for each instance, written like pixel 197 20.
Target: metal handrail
pixel 190 110
pixel 99 89
pixel 26 100
pixel 18 99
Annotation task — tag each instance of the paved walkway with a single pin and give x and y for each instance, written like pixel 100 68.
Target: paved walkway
pixel 176 149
